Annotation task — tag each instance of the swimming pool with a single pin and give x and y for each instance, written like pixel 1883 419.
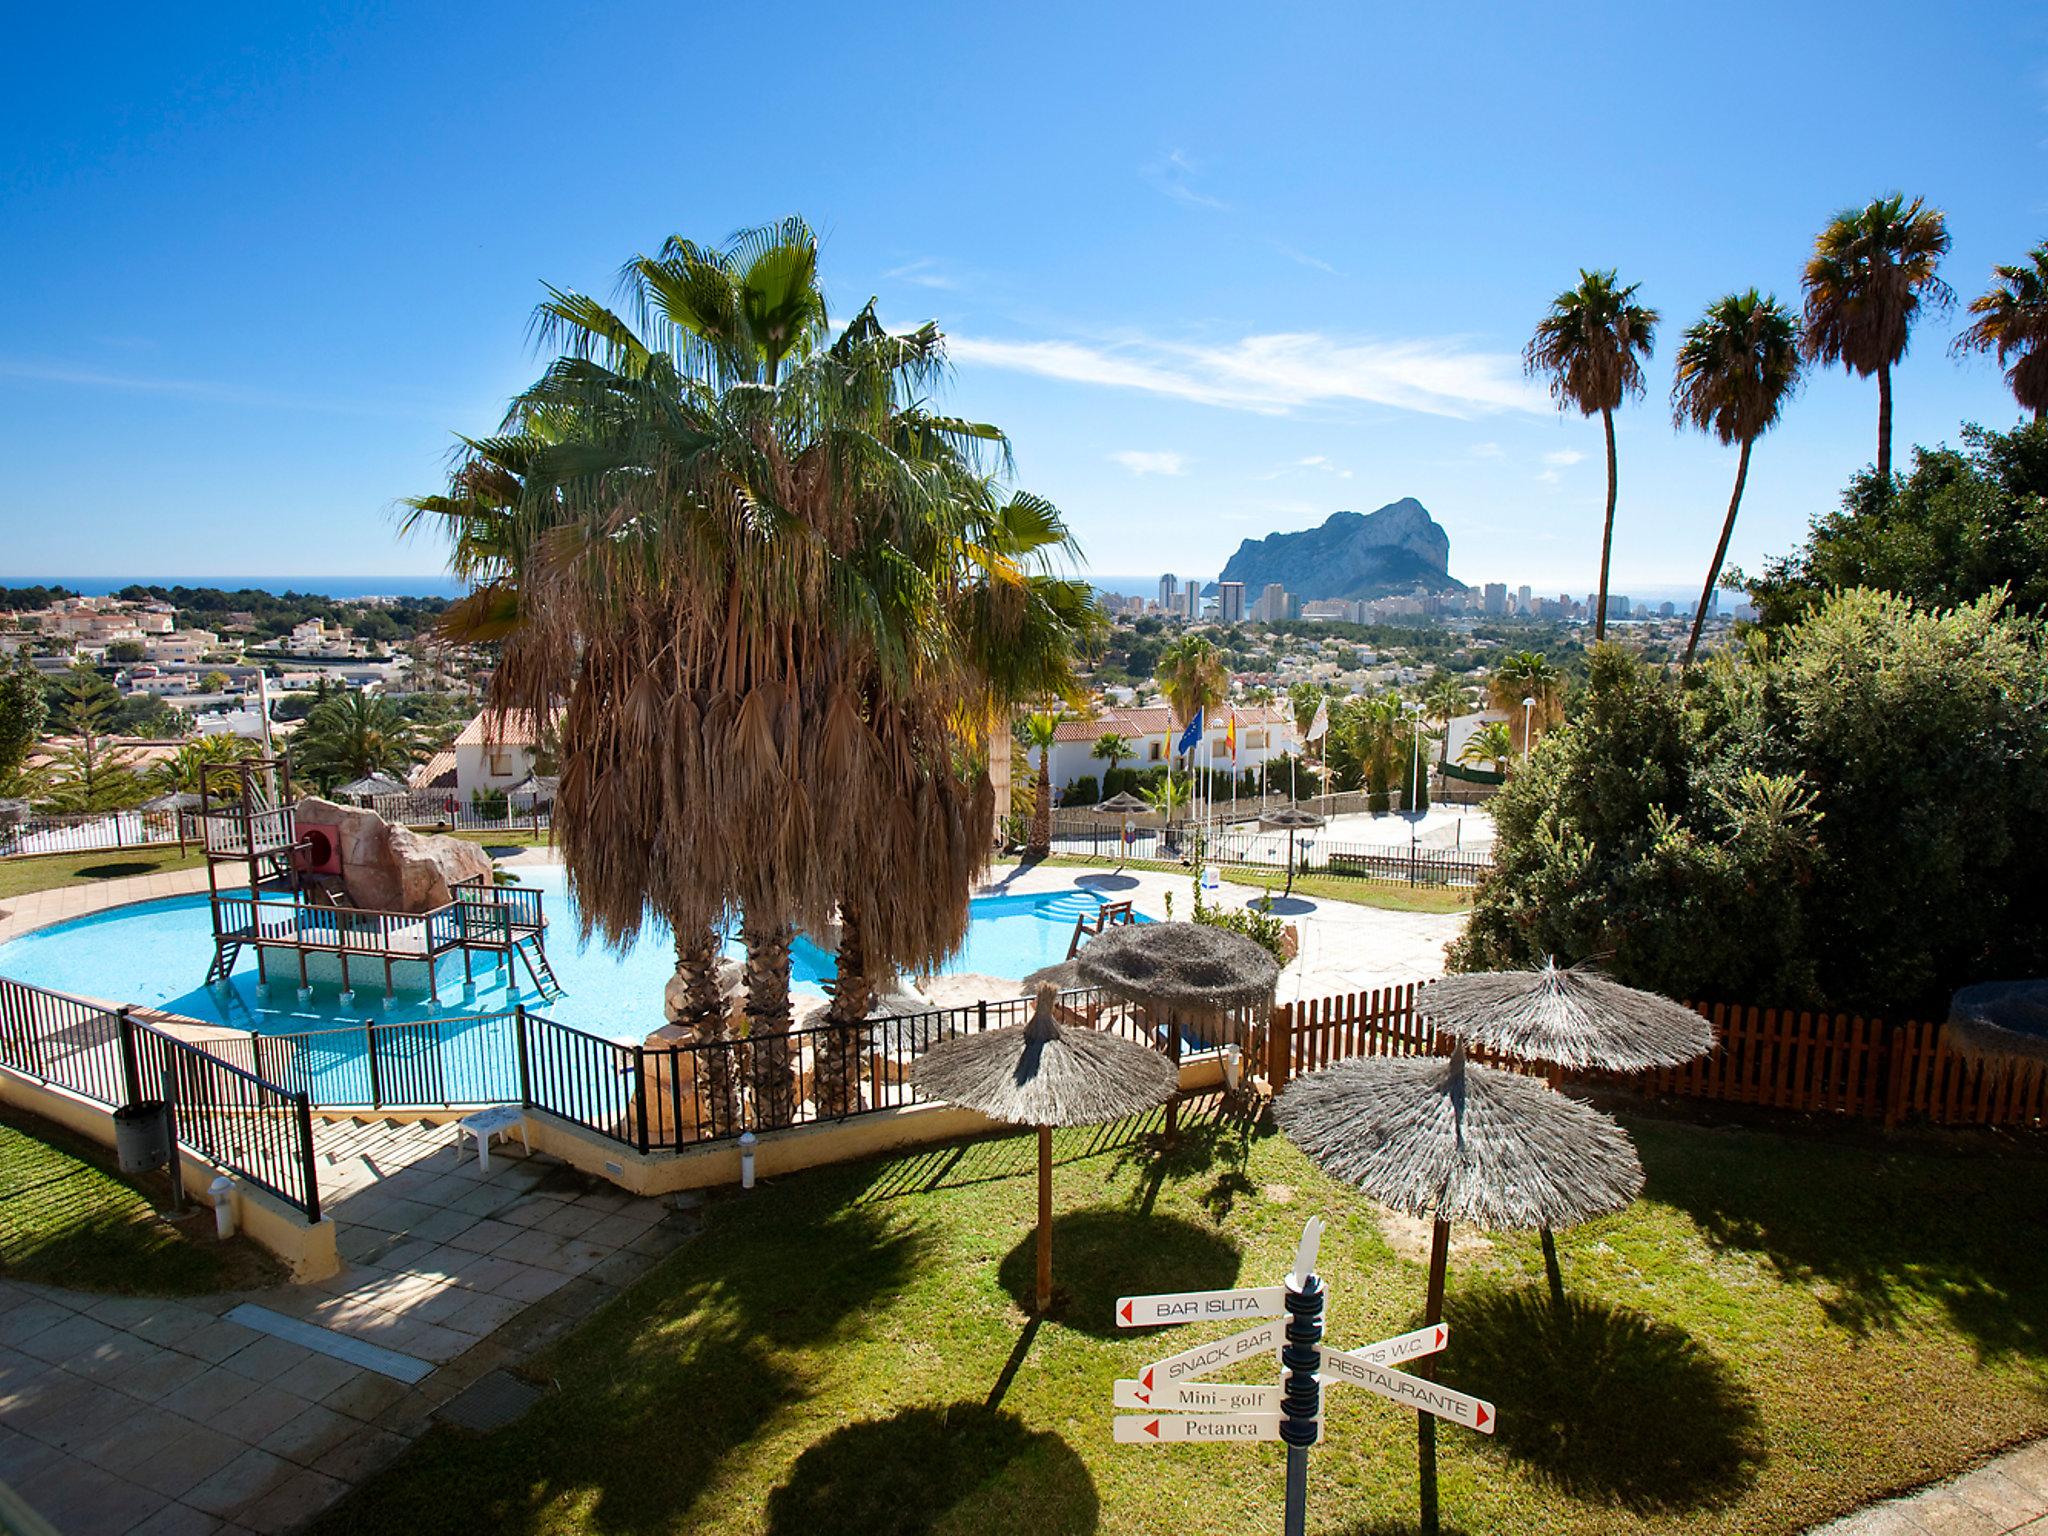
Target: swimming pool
pixel 155 954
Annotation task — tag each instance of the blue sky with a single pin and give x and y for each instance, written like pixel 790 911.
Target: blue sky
pixel 1218 270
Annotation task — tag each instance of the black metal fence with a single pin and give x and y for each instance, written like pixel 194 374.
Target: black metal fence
pixel 227 1114
pixel 1420 864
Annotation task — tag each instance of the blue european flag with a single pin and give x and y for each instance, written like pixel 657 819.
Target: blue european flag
pixel 1192 736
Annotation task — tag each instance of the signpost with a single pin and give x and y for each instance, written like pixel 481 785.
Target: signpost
pixel 1178 1407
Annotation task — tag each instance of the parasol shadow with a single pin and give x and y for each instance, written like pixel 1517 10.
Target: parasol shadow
pixel 1107 1253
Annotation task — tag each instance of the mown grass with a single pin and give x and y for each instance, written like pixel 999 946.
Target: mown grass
pixel 1363 893
pixel 1786 1326
pixel 46 872
pixel 67 1218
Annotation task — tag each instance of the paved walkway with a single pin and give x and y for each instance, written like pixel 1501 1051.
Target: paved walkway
pixel 2008 1494
pixel 123 1414
pixel 19 914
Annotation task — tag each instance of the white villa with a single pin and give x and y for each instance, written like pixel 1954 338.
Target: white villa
pixel 1265 733
pixel 486 756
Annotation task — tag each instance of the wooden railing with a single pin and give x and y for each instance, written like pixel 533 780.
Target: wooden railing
pixel 480 916
pixel 231 829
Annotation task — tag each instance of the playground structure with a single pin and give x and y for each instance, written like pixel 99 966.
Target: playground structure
pixel 276 887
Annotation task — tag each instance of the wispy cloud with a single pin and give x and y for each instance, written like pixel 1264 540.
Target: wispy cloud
pixel 925 272
pixel 1175 176
pixel 1303 258
pixel 1275 374
pixel 1140 462
pixel 1563 458
pixel 207 391
pixel 1487 451
pixel 1318 462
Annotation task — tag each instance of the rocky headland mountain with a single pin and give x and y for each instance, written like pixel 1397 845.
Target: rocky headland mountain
pixel 1352 555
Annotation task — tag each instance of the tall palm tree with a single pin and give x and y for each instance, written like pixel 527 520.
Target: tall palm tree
pixel 1526 675
pixel 1041 730
pixel 1192 676
pixel 1871 270
pixel 1446 699
pixel 1737 367
pixel 1591 346
pixel 1111 747
pixel 2012 321
pixel 1491 743
pixel 353 735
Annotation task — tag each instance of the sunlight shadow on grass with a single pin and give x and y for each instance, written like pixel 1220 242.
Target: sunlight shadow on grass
pixel 1607 1404
pixel 960 1463
pixel 1099 1255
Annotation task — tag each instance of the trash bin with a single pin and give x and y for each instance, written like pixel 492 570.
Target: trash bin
pixel 139 1135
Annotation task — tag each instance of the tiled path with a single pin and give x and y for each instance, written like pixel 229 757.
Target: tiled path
pixel 131 1415
pixel 2008 1494
pixel 18 914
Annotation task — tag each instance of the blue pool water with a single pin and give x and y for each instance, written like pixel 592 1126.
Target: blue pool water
pixel 156 954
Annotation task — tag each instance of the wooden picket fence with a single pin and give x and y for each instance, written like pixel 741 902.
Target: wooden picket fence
pixel 1819 1063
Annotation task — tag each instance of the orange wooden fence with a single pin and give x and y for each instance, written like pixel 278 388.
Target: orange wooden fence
pixel 1781 1059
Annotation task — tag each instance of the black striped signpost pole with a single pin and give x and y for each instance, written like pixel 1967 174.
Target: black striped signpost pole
pixel 1301 1398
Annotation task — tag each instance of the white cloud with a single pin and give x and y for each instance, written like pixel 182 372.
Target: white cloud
pixel 1563 458
pixel 1277 373
pixel 1140 462
pixel 1486 451
pixel 925 272
pixel 1175 176
pixel 1303 258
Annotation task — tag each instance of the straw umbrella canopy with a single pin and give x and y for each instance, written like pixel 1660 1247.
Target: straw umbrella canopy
pixel 1186 970
pixel 176 800
pixel 1565 1017
pixel 370 786
pixel 1289 819
pixel 1042 1075
pixel 2003 1022
pixel 1450 1141
pixel 1125 804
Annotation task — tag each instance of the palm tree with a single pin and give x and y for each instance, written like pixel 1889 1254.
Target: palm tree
pixel 1443 703
pixel 1871 269
pixel 353 735
pixel 1111 747
pixel 1491 743
pixel 1737 367
pixel 1524 675
pixel 183 771
pixel 1591 346
pixel 1041 729
pixel 2012 321
pixel 1192 676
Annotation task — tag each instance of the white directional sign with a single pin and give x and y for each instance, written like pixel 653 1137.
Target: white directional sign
pixel 1408 1391
pixel 1404 1346
pixel 1201 1306
pixel 1208 1396
pixel 1180 1428
pixel 1255 1343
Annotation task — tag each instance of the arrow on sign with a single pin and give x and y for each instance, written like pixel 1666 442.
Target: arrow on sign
pixel 1404 1346
pixel 1262 1339
pixel 1212 1396
pixel 1200 1306
pixel 1180 1428
pixel 1409 1391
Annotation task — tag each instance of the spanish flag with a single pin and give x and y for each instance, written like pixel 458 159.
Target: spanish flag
pixel 1230 737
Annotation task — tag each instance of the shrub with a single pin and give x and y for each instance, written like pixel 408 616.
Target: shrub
pixel 1082 791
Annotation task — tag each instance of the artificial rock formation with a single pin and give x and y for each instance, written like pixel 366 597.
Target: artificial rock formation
pixel 393 869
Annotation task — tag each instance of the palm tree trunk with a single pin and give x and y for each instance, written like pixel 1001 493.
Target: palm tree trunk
pixel 1699 616
pixel 1041 813
pixel 1607 531
pixel 704 1015
pixel 768 1020
pixel 1884 426
pixel 835 1066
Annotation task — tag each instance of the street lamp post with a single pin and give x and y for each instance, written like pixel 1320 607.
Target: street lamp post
pixel 1528 708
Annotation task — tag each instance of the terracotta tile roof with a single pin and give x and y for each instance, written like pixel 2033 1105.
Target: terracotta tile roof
pixel 437 772
pixel 1157 719
pixel 513 729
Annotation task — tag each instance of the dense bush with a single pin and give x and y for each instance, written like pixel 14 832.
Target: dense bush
pixel 1081 791
pixel 1851 812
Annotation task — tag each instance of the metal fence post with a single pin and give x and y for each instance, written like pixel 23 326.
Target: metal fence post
pixel 307 1161
pixel 519 1039
pixel 640 1092
pixel 376 1082
pixel 981 1015
pixel 131 1069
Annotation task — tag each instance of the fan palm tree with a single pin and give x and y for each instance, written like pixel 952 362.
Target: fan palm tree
pixel 1378 730
pixel 1111 747
pixel 1590 347
pixel 1524 675
pixel 2012 321
pixel 1491 743
pixel 1192 676
pixel 1444 702
pixel 352 736
pixel 1737 367
pixel 1871 270
pixel 1041 729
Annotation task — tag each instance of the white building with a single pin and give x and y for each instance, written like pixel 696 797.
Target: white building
pixel 1264 733
pixel 188 646
pixel 493 754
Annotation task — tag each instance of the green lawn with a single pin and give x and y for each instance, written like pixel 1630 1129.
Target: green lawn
pixel 67 1218
pixel 1363 893
pixel 1786 1326
pixel 48 871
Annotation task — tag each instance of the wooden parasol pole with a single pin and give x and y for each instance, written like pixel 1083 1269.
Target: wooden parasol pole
pixel 1425 1424
pixel 1044 1217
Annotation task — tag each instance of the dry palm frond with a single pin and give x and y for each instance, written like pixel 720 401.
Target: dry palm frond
pixel 1567 1017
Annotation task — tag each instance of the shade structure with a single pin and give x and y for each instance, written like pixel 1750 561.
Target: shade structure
pixel 1188 969
pixel 1450 1141
pixel 177 800
pixel 2001 1021
pixel 1289 819
pixel 1123 803
pixel 1043 1075
pixel 370 786
pixel 1566 1017
pixel 537 787
pixel 1063 977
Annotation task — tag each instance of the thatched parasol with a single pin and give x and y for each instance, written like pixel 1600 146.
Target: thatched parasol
pixel 1189 970
pixel 1455 1142
pixel 1289 819
pixel 1125 804
pixel 370 787
pixel 176 800
pixel 1041 1075
pixel 2003 1022
pixel 1565 1017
